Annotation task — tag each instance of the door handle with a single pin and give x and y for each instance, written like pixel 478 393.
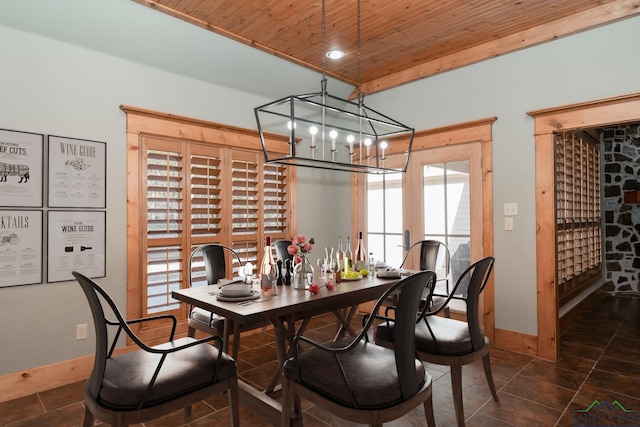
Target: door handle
pixel 407 239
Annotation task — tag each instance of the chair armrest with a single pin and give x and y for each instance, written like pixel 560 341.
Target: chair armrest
pixel 158 317
pixel 168 350
pixel 362 335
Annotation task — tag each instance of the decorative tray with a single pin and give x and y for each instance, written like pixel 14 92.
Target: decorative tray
pixel 352 279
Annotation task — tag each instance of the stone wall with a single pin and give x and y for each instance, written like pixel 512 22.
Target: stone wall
pixel 622 220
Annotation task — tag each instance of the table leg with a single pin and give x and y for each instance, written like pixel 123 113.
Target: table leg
pixel 285 330
pixel 345 322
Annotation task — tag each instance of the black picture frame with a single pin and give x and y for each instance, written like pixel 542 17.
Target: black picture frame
pixel 21 169
pixel 77 173
pixel 76 241
pixel 21 245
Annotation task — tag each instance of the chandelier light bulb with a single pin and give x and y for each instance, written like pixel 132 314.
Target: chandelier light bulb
pixel 367 143
pixel 333 135
pixel 289 125
pixel 383 145
pixel 313 130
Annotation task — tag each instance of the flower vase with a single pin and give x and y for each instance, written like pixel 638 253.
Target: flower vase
pixel 302 274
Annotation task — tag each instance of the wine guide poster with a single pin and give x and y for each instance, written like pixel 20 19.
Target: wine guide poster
pixel 76 242
pixel 77 173
pixel 20 247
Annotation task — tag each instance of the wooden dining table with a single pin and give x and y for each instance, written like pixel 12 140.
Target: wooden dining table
pixel 289 311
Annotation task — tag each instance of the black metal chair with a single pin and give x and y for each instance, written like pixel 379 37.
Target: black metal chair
pixel 281 249
pixel 150 382
pixel 435 256
pixel 214 257
pixel 361 381
pixel 445 341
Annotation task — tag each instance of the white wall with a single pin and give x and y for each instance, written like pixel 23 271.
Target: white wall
pixel 597 64
pixel 51 87
pixel 55 88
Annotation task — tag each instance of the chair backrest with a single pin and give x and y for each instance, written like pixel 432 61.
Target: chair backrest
pixel 404 336
pixel 477 275
pixel 91 291
pixel 281 249
pixel 430 252
pixel 213 256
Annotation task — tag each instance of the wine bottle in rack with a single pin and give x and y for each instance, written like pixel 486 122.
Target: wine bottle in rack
pixel 360 255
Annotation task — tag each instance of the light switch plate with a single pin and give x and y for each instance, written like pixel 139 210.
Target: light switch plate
pixel 508 223
pixel 511 209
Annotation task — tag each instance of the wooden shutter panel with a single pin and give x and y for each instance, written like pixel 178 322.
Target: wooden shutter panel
pixel 164 194
pixel 164 275
pixel 245 205
pixel 165 224
pixel 275 200
pixel 205 191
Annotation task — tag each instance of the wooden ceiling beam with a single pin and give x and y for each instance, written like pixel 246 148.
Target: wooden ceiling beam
pixel 582 21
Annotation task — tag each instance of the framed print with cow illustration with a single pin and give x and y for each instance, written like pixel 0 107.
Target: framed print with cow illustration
pixel 21 163
pixel 77 173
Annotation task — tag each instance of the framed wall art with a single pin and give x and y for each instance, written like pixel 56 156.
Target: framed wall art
pixel 20 247
pixel 21 163
pixel 77 173
pixel 76 242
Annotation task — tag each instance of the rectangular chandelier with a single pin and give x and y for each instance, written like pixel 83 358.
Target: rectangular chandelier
pixel 327 132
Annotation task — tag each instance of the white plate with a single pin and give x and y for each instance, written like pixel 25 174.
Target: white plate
pixel 236 290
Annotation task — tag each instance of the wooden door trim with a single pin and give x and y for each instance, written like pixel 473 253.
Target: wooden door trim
pixel 602 112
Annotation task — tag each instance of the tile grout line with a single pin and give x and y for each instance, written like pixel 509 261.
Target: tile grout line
pixel 588 375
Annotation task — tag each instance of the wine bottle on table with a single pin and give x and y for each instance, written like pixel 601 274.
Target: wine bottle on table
pixel 340 255
pixel 267 268
pixel 360 255
pixel 348 257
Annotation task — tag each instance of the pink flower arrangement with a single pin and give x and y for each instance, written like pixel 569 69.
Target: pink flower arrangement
pixel 300 246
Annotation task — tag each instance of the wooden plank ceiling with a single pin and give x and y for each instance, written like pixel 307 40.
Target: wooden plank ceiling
pixel 401 40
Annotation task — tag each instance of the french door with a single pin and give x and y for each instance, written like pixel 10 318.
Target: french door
pixel 439 197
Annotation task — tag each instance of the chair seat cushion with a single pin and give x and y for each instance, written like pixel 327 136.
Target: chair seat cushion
pixel 451 336
pixel 127 376
pixel 206 317
pixel 370 371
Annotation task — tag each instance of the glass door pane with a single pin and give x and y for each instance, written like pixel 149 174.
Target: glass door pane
pixel 384 216
pixel 447 204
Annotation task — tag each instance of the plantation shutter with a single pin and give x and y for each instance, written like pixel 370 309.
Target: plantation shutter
pixel 205 190
pixel 164 223
pixel 245 203
pixel 275 200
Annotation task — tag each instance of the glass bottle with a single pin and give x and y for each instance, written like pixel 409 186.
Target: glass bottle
pixel 267 268
pixel 348 257
pixel 360 255
pixel 340 255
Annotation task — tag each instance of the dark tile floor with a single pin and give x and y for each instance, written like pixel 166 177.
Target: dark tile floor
pixel 600 360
